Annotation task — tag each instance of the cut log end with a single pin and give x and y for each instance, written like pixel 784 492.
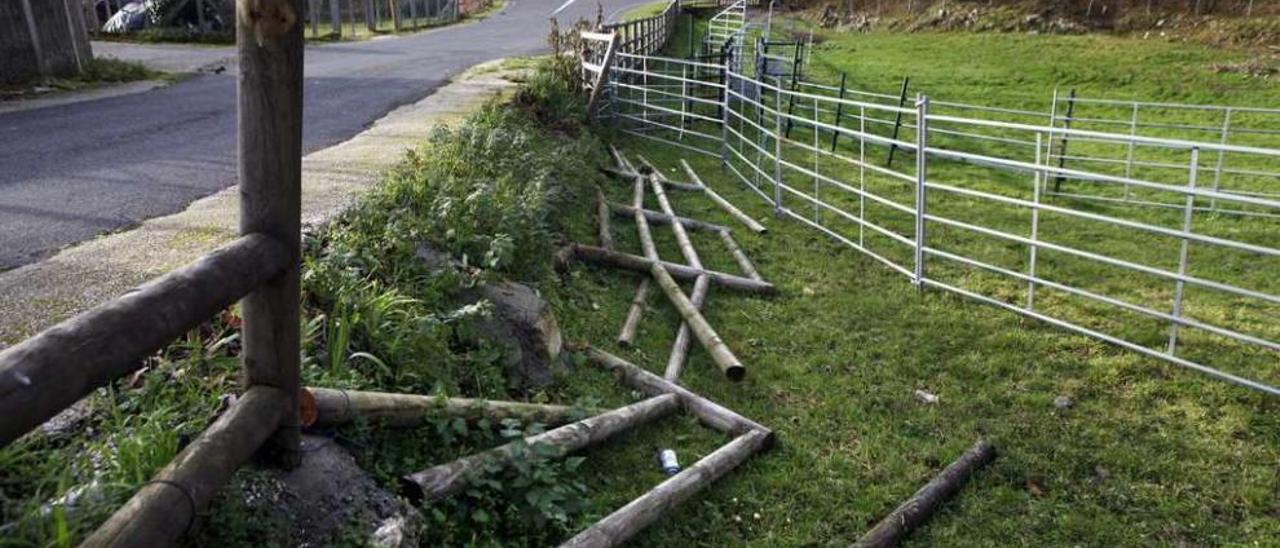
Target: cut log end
pixel 735 373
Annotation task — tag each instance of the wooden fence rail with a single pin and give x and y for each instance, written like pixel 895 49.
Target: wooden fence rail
pixel 647 35
pixel 41 376
pixel 52 370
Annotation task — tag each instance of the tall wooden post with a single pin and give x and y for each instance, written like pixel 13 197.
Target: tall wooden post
pixel 33 32
pixel 270 145
pixel 200 17
pixel 313 16
pixel 335 17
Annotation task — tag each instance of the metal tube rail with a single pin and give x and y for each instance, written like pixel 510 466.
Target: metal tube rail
pixel 751 146
pixel 1107 338
pixel 1112 137
pixel 45 374
pixel 1121 263
pixel 1090 176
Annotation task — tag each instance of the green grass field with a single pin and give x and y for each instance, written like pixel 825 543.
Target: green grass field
pixel 1148 454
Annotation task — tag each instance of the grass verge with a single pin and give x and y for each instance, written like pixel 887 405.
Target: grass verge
pixel 97 72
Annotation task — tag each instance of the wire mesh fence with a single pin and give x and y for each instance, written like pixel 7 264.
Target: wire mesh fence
pixel 1006 206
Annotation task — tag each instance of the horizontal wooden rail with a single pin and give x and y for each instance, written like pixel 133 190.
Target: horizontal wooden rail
pixel 339 407
pixel 627 261
pixel 660 218
pixel 166 507
pixel 45 374
pixel 617 528
pixel 444 480
pixel 710 413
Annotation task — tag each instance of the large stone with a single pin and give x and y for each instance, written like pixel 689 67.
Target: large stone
pixel 521 324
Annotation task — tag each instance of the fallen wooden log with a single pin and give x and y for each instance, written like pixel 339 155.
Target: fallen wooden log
pixel 713 415
pixel 723 203
pixel 165 507
pixel 659 218
pixel 618 158
pixel 627 175
pixel 628 333
pixel 667 181
pixel 443 480
pixel 684 336
pixel 926 501
pixel 702 330
pixel 339 407
pixel 618 259
pixel 682 238
pixel 616 528
pixel 679 347
pixel 743 261
pixel 602 215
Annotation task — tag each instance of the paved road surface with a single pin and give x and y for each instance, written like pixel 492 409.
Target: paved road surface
pixel 70 172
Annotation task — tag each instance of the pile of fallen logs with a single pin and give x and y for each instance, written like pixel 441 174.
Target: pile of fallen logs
pixel 665 274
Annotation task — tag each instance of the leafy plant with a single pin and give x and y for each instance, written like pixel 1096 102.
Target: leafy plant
pixel 533 500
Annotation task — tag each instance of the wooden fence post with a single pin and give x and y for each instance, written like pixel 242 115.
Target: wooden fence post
pixel 603 78
pixel 335 17
pixel 33 32
pixel 313 16
pixel 200 17
pixel 270 146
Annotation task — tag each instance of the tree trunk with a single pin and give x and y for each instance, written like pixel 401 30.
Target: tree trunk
pixel 628 333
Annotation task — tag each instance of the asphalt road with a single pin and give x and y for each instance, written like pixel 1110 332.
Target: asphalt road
pixel 71 172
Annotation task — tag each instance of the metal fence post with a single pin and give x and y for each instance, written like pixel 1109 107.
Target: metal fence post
pixel 897 123
pixel 1222 153
pixel 777 149
pixel 724 109
pixel 1035 225
pixel 835 134
pixel 1133 137
pixel 862 176
pixel 1187 214
pixel 270 146
pixel 1062 148
pixel 922 170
